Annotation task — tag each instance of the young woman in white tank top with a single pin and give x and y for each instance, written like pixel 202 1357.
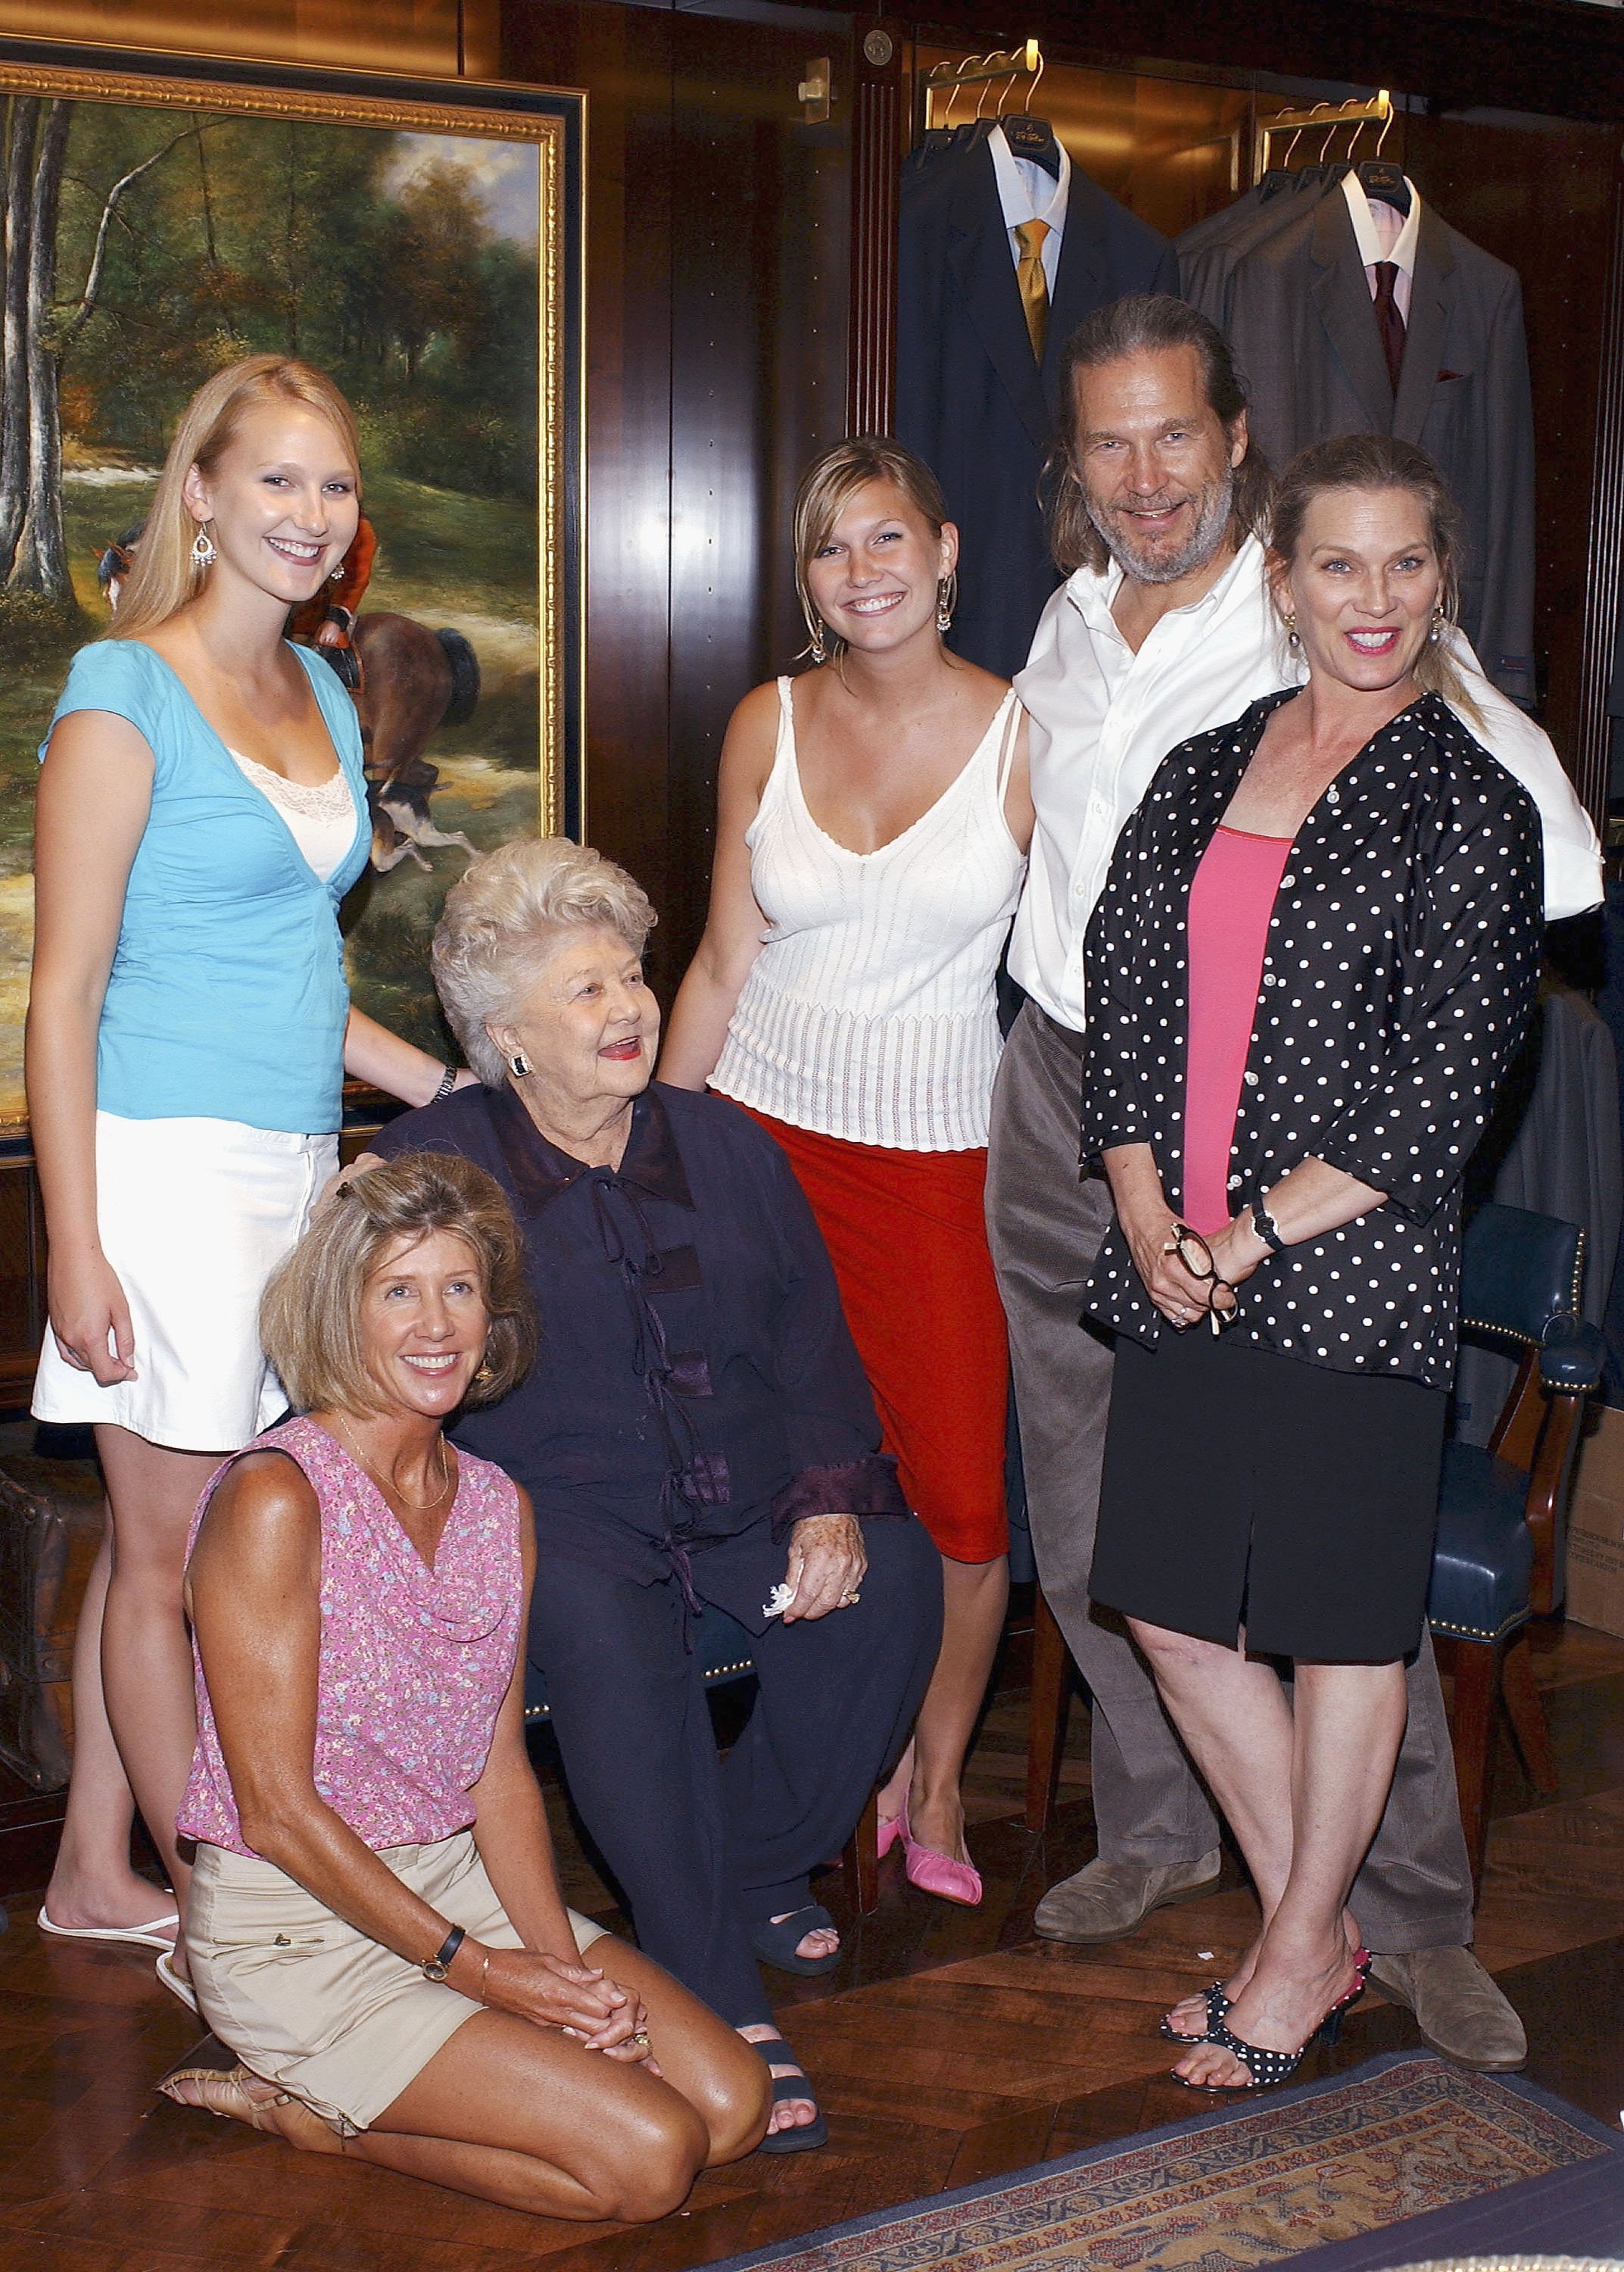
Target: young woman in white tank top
pixel 871 843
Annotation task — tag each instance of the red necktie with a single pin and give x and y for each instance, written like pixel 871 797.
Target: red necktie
pixel 1389 322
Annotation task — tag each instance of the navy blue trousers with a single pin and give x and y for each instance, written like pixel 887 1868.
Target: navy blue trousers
pixel 702 1846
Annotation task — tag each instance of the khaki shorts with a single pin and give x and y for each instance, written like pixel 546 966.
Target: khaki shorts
pixel 321 2010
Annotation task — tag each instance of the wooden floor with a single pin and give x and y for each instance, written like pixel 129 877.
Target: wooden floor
pixel 952 2045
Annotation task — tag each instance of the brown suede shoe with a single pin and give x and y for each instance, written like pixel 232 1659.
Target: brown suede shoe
pixel 1107 1901
pixel 1458 2008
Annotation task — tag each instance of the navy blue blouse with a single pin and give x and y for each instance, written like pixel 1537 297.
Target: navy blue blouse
pixel 695 1375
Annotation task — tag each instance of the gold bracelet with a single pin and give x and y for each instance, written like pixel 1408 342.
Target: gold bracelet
pixel 484 1971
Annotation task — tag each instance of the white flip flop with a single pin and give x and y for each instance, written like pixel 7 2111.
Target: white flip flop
pixel 175 1985
pixel 135 1936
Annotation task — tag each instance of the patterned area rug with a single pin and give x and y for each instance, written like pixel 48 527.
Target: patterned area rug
pixel 1401 2137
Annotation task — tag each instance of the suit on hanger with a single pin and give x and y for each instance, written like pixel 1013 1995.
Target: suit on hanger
pixel 1209 251
pixel 1300 321
pixel 972 399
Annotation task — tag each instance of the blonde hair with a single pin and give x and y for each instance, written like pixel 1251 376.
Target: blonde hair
pixel 1383 461
pixel 309 1315
pixel 163 575
pixel 828 486
pixel 501 922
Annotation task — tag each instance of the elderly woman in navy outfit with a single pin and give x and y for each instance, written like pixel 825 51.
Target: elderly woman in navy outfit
pixel 201 813
pixel 697 1429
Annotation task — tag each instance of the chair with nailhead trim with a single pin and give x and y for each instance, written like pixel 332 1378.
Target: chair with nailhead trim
pixel 1497 1559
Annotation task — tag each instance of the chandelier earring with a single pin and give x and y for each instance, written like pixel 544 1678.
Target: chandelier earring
pixel 947 599
pixel 337 576
pixel 818 650
pixel 203 552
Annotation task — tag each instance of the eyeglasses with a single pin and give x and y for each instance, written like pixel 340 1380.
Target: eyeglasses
pixel 1192 1251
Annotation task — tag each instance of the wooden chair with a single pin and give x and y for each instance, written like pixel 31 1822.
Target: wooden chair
pixel 1497 1559
pixel 723 1647
pixel 1502 1514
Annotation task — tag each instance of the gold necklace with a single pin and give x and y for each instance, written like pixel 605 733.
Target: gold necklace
pixel 416 1506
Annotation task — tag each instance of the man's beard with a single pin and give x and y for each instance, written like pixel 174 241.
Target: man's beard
pixel 1211 527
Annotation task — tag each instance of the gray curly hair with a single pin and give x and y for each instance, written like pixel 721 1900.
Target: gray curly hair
pixel 503 920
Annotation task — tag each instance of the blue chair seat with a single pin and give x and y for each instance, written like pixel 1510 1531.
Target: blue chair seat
pixel 1483 1557
pixel 720 1642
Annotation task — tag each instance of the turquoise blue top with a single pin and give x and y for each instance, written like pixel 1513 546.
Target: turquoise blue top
pixel 228 996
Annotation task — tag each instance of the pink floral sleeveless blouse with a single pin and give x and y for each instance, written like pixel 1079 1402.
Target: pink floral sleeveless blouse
pixel 415 1663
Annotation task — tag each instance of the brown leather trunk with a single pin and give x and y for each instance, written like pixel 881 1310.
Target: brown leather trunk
pixel 51 1516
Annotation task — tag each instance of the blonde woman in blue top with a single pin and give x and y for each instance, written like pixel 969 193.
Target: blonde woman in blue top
pixel 201 813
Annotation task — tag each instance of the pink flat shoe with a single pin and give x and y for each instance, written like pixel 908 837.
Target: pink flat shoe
pixel 889 1832
pixel 939 1873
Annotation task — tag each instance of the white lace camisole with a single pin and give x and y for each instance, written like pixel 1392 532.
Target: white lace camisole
pixel 320 819
pixel 869 1012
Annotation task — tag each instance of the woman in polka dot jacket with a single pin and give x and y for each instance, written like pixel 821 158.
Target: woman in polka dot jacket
pixel 1312 962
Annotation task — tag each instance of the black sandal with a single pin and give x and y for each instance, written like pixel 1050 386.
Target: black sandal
pixel 1218 2012
pixel 804 2137
pixel 775 1944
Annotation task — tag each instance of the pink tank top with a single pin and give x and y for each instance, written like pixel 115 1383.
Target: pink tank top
pixel 1232 897
pixel 415 1663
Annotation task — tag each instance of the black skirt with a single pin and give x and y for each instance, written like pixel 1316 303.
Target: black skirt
pixel 1245 1491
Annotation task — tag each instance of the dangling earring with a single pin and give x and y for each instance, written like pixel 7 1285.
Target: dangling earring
pixel 203 552
pixel 819 652
pixel 1292 636
pixel 337 577
pixel 1439 620
pixel 518 1066
pixel 947 599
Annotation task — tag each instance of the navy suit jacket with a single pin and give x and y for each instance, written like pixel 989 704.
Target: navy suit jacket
pixel 970 397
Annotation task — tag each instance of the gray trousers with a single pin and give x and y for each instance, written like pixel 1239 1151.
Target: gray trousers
pixel 1045 1224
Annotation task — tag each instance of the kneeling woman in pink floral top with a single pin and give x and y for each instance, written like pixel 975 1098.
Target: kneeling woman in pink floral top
pixel 375 1926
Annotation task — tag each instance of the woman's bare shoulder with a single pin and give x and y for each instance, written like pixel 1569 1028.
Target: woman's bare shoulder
pixel 265 1502
pixel 756 714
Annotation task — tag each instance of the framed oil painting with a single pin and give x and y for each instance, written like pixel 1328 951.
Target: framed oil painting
pixel 424 248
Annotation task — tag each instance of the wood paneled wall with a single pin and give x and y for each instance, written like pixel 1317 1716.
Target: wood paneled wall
pixel 717 232
pixel 434 38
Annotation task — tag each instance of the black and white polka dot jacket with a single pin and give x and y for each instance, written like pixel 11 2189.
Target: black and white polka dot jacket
pixel 1400 964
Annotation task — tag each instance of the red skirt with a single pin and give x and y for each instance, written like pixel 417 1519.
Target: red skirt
pixel 907 1234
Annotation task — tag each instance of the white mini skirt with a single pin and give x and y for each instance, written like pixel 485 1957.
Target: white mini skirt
pixel 194 1217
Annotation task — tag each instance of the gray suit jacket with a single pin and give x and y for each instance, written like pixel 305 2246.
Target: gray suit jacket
pixel 1300 318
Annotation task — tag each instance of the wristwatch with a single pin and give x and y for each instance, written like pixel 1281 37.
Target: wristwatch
pixel 1267 1229
pixel 439 1964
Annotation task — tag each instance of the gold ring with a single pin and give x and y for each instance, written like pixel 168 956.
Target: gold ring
pixel 850 1601
pixel 642 2037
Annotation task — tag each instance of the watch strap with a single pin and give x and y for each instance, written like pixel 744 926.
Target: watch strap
pixel 439 1963
pixel 1267 1229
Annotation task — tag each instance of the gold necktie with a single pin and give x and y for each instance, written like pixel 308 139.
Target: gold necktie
pixel 1034 284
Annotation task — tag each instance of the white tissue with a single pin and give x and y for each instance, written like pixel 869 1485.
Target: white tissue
pixel 779 1600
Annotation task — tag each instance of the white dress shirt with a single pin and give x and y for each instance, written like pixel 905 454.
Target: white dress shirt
pixel 1103 718
pixel 1026 193
pixel 1385 234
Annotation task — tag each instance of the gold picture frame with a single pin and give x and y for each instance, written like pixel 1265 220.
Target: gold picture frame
pixel 442 141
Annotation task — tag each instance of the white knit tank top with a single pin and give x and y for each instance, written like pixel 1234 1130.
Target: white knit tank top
pixel 869 1012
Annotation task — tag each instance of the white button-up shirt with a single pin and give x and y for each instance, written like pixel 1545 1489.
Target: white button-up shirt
pixel 1026 192
pixel 1385 234
pixel 1103 718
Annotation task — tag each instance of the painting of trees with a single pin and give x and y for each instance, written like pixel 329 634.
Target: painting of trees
pixel 141 249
